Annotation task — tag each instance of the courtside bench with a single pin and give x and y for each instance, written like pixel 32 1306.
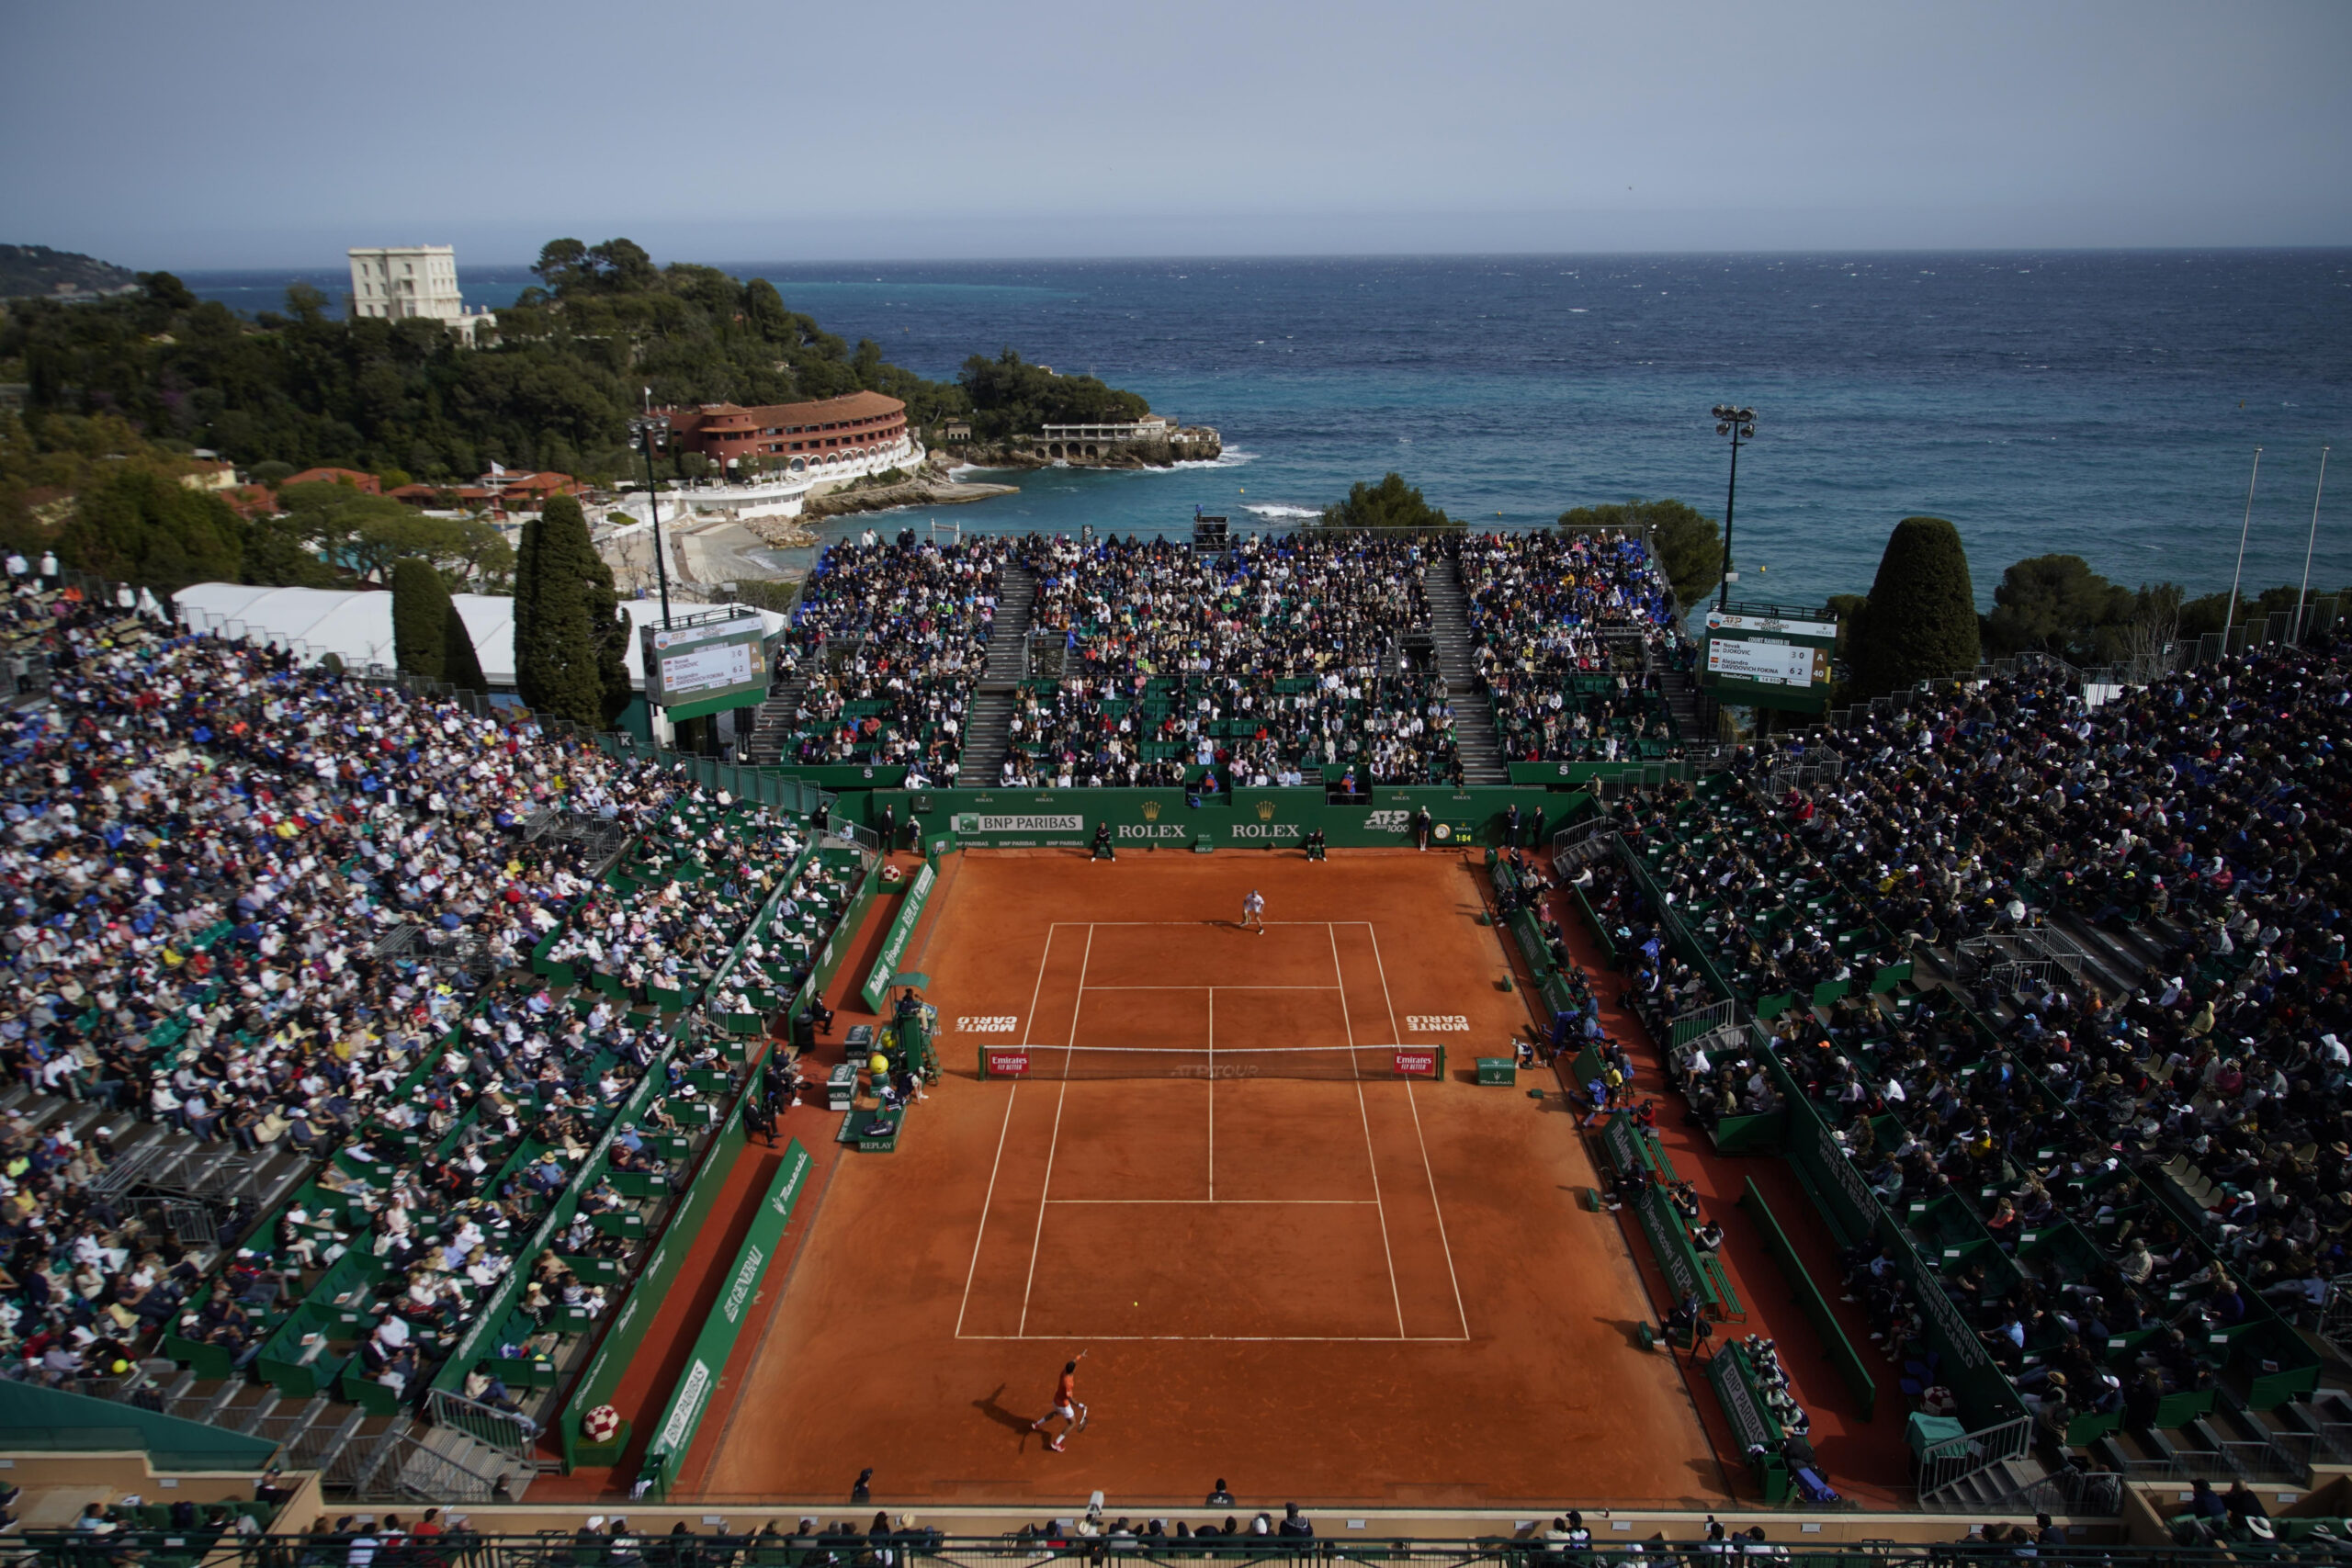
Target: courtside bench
pixel 858 1129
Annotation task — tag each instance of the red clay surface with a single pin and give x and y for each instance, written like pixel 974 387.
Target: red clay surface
pixel 1866 1461
pixel 1379 1291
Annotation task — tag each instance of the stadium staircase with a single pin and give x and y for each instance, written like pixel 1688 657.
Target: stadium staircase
pixel 772 725
pixel 1473 715
pixel 197 1183
pixel 987 725
pixel 1694 712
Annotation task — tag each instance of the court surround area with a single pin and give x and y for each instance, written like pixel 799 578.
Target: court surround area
pixel 1344 1284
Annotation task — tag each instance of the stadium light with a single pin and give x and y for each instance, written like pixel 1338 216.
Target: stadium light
pixel 1740 424
pixel 647 428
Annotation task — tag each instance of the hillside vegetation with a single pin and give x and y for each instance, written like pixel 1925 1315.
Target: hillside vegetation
pixel 37 270
pixel 574 357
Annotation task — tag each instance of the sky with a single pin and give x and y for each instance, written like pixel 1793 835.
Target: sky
pixel 264 134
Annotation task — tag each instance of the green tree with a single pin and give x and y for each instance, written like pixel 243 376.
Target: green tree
pixel 763 310
pixel 1010 396
pixel 1392 504
pixel 1847 610
pixel 566 640
pixel 279 554
pixel 142 527
pixel 614 629
pixel 1920 623
pixel 1690 543
pixel 429 637
pixel 2057 604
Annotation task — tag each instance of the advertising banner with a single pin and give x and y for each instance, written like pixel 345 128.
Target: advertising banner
pixel 894 945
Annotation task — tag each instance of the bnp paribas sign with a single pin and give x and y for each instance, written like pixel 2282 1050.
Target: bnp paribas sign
pixel 1021 831
pixel 968 823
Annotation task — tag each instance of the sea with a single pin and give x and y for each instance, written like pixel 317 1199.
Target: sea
pixel 2105 404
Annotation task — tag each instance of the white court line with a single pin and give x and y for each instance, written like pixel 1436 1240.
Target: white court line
pixel 1227 988
pixel 1242 1338
pixel 1048 1186
pixel 1212 991
pixel 966 1305
pixel 1364 1112
pixel 1231 1203
pixel 1425 1169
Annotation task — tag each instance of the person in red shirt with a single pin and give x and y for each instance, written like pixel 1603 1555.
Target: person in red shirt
pixel 1066 1406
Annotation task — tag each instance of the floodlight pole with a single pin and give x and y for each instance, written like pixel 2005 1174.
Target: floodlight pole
pixel 2228 623
pixel 2309 545
pixel 1740 424
pixel 646 429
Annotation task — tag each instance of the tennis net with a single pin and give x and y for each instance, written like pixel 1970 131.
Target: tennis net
pixel 1341 1062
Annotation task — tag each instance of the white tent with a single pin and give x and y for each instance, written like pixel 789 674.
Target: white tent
pixel 356 625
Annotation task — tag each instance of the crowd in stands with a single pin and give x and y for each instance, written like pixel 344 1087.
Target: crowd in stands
pixel 204 852
pixel 277 909
pixel 1140 729
pixel 1286 659
pixel 2160 1165
pixel 892 637
pixel 1568 628
pixel 1275 605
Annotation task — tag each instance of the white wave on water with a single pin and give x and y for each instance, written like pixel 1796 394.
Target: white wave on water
pixel 1231 458
pixel 1278 511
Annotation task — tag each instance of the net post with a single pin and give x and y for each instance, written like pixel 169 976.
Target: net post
pixel 1440 1064
pixel 981 1055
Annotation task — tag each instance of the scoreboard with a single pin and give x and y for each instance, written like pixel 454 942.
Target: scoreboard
pixel 706 662
pixel 1769 656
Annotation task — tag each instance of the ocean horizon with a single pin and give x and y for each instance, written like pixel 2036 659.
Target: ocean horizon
pixel 2105 404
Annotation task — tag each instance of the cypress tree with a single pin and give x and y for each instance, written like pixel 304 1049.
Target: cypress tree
pixel 560 585
pixel 613 630
pixel 419 621
pixel 1920 621
pixel 429 637
pixel 463 669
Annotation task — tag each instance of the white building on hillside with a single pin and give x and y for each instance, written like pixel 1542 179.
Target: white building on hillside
pixel 397 282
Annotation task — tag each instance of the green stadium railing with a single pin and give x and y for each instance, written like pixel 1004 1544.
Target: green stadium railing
pixel 1811 1302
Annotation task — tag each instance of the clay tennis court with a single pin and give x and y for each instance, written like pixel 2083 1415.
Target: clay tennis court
pixel 1304 1272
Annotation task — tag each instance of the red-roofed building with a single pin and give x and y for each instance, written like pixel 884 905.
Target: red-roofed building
pixel 352 476
pixel 794 436
pixel 250 501
pixel 499 493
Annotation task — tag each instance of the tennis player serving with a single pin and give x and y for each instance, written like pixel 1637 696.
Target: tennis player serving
pixel 1066 1406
